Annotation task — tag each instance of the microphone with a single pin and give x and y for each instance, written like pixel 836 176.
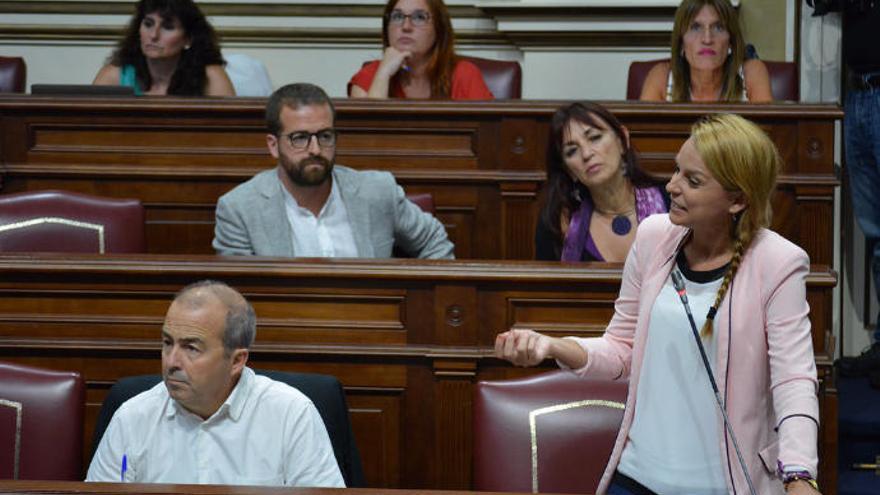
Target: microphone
pixel 678 283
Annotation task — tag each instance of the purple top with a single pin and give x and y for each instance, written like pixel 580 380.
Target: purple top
pixel 649 200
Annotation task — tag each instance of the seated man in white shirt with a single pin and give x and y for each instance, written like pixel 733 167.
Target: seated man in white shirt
pixel 212 420
pixel 310 207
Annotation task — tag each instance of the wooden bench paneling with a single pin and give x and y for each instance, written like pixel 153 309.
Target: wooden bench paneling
pixel 407 338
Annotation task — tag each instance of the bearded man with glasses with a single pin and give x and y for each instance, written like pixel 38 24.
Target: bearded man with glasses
pixel 308 206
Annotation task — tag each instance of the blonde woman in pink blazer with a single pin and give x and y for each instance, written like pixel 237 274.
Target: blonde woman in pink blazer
pixel 746 287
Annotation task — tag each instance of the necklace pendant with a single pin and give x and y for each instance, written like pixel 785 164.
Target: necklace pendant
pixel 621 225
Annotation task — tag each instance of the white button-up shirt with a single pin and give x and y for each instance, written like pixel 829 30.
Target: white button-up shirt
pixel 326 236
pixel 266 433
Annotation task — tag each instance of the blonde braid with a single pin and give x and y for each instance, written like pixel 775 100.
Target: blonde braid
pixel 740 245
pixel 743 159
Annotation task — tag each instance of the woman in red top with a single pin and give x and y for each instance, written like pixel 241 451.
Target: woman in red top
pixel 419 59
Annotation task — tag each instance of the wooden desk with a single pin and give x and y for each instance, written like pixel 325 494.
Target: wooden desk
pixel 407 339
pixel 483 162
pixel 80 488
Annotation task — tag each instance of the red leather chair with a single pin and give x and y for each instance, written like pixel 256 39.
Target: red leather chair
pixel 425 201
pixel 503 77
pixel 552 432
pixel 784 81
pixel 13 75
pixel 61 221
pixel 41 423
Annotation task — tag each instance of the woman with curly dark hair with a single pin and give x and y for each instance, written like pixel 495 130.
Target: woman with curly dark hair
pixel 169 48
pixel 419 60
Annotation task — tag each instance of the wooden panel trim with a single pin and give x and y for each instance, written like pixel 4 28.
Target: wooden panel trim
pixel 256 267
pixel 396 269
pixel 346 109
pixel 282 35
pixel 433 176
pixel 238 9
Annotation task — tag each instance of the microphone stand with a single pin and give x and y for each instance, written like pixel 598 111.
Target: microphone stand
pixel 678 283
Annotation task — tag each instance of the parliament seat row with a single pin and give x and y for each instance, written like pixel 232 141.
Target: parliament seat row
pixel 66 221
pixel 556 412
pixel 408 339
pixel 504 78
pixel 482 162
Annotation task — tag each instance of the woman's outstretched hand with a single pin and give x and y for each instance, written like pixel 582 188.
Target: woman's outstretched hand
pixel 523 347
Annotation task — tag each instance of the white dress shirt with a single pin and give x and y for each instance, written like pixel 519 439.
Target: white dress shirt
pixel 266 433
pixel 326 236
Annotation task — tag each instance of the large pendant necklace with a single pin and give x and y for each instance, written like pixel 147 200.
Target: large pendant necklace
pixel 620 221
pixel 621 225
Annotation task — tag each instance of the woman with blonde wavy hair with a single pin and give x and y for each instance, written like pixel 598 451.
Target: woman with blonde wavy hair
pixel 746 289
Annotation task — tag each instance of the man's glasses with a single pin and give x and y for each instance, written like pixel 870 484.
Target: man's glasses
pixel 300 140
pixel 419 18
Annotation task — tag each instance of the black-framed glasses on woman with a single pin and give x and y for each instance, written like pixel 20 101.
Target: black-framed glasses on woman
pixel 418 18
pixel 301 139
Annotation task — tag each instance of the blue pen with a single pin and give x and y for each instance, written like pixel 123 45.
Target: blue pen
pixel 124 468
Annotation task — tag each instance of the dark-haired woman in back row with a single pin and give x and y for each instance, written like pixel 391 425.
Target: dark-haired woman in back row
pixel 169 48
pixel 596 192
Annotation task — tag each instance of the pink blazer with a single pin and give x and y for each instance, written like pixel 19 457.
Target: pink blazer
pixel 765 366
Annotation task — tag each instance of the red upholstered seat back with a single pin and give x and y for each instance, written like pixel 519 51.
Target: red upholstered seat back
pixel 568 423
pixel 425 201
pixel 503 77
pixel 41 423
pixel 784 80
pixel 13 75
pixel 60 221
pixel 638 72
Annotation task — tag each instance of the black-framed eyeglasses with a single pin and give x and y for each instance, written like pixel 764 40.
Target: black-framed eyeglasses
pixel 301 139
pixel 418 18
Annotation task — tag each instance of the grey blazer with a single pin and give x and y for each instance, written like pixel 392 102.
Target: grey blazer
pixel 251 219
